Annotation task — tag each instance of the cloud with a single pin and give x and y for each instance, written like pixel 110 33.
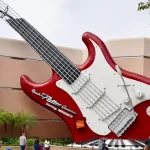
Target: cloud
pixel 64 21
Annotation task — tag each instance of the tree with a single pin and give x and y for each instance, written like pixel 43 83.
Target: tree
pixel 13 120
pixel 25 120
pixel 22 119
pixel 4 115
pixel 144 5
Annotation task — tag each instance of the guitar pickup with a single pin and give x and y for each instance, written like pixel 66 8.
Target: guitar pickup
pixel 122 121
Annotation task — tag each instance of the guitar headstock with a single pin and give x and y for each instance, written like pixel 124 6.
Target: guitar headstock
pixel 4 8
pixel 3 13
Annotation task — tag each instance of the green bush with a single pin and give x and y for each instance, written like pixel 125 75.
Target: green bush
pixel 9 141
pixel 30 141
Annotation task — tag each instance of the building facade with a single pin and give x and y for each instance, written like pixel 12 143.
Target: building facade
pixel 17 58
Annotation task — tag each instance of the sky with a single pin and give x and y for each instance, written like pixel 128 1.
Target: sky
pixel 64 21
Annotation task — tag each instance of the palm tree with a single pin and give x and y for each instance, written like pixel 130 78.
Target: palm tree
pixel 13 120
pixel 4 115
pixel 25 120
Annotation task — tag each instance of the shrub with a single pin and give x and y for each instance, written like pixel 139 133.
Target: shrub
pixel 7 141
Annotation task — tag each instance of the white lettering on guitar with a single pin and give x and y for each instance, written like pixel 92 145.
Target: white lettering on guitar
pixel 50 101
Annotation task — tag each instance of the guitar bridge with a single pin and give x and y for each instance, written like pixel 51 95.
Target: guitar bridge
pixel 122 121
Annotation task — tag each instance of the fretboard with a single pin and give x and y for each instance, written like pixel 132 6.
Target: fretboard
pixel 62 66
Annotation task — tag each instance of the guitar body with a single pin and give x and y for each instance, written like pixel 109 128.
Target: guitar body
pixel 100 68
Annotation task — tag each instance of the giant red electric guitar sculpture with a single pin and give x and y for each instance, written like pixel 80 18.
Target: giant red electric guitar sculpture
pixel 97 99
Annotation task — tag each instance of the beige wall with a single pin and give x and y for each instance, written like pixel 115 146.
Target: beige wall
pixel 21 59
pixel 129 47
pixel 130 64
pixel 138 65
pixel 131 54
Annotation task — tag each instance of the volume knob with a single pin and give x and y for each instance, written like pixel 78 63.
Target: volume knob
pixel 139 94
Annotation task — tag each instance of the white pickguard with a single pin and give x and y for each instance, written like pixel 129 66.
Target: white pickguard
pixel 104 77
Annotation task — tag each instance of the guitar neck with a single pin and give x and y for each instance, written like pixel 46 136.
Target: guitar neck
pixel 59 63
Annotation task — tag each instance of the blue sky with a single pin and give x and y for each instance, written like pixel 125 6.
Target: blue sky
pixel 64 21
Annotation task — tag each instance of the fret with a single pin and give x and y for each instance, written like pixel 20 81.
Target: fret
pixel 36 39
pixel 46 50
pixel 69 67
pixel 27 32
pixel 19 24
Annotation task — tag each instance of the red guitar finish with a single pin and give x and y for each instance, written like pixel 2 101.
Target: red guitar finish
pixel 139 129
